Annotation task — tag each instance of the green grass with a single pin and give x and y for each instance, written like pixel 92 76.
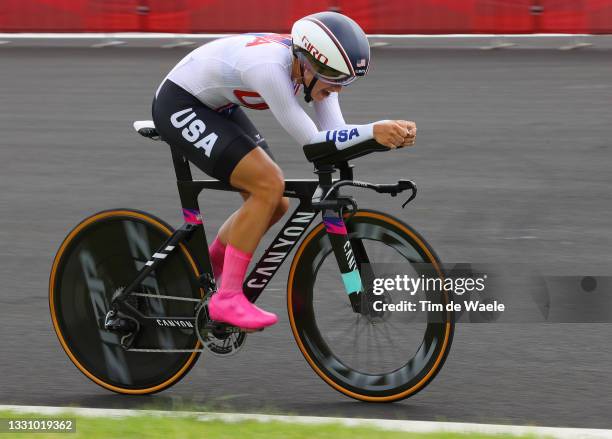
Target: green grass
pixel 189 427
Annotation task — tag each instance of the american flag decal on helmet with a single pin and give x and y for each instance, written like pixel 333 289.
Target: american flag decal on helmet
pixel 361 62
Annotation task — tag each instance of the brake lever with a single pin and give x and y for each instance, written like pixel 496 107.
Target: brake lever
pixel 410 185
pixel 412 197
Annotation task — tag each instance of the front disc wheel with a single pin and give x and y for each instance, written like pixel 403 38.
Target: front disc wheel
pixel 369 356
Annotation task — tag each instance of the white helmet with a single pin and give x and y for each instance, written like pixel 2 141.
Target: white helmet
pixel 332 46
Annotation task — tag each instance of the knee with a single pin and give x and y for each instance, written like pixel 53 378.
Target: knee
pixel 270 185
pixel 281 209
pixel 283 206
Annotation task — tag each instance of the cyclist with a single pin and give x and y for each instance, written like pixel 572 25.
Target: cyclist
pixel 197 108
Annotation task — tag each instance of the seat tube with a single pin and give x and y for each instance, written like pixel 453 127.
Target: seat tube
pixel 191 211
pixel 338 236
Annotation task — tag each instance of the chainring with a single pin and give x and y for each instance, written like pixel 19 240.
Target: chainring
pixel 219 339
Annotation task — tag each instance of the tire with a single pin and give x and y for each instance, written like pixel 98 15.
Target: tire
pixel 101 254
pixel 320 315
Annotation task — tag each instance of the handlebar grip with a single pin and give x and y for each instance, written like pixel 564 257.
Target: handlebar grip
pixel 396 188
pixel 386 188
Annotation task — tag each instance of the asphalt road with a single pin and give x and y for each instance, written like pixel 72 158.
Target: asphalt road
pixel 513 163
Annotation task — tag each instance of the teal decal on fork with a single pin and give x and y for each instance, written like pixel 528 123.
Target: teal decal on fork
pixel 352 282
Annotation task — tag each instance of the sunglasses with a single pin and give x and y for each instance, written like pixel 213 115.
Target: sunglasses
pixel 324 73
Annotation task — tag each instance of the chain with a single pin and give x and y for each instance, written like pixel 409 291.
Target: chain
pixel 168 351
pixel 160 296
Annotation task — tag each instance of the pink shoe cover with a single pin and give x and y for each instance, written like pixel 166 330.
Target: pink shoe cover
pixel 234 308
pixel 217 254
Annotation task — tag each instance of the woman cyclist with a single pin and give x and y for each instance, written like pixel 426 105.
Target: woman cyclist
pixel 197 108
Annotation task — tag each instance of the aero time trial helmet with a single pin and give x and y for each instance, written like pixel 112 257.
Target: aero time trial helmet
pixel 332 46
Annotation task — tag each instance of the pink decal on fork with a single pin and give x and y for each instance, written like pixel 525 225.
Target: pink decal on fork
pixel 335 225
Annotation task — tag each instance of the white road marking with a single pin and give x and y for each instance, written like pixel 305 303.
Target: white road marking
pixel 522 237
pixel 108 44
pixel 576 45
pixel 177 44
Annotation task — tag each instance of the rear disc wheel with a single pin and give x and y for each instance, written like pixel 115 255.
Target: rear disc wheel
pixel 99 257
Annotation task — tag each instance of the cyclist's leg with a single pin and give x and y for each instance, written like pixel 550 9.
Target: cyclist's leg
pixel 239 117
pixel 223 150
pixel 217 248
pixel 263 185
pixel 186 123
pixel 279 212
pixel 263 180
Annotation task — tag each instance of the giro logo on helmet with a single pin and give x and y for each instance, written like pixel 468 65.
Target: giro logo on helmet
pixel 314 51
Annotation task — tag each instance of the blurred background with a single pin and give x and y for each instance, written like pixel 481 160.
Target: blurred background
pixel 512 163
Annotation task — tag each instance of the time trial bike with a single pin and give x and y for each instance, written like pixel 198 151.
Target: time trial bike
pixel 128 294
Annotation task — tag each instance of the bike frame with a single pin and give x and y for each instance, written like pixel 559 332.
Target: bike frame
pixel 307 191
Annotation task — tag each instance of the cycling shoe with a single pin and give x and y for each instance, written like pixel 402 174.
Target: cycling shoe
pixel 234 308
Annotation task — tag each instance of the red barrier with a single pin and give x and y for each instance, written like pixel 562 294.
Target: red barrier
pixel 576 16
pixel 217 16
pixel 375 16
pixel 599 17
pixel 113 16
pixel 439 16
pixel 42 16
